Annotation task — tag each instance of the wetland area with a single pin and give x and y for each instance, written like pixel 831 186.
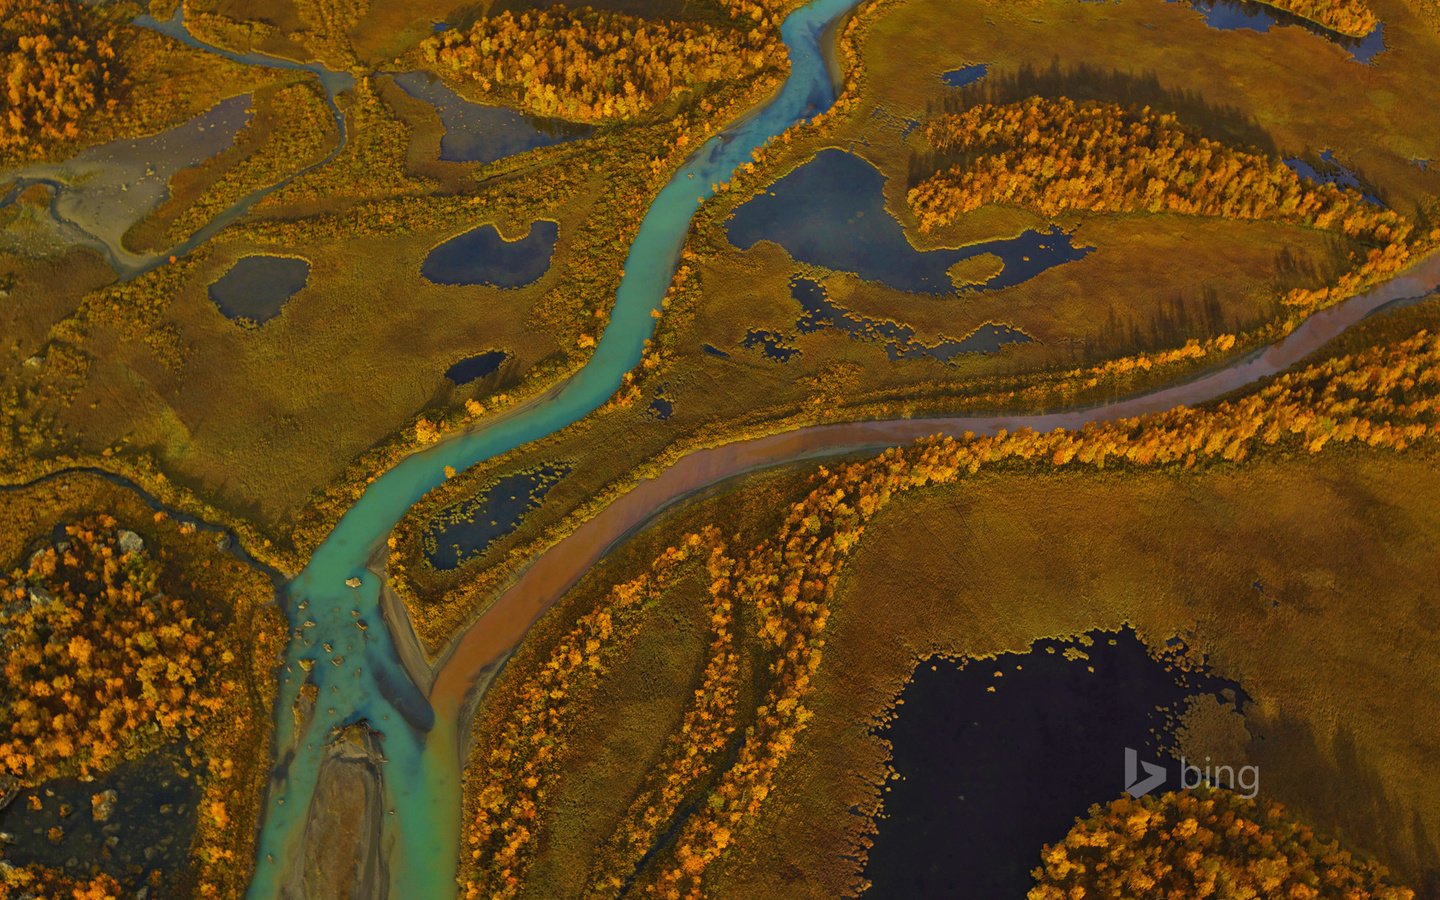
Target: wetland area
pixel 727 451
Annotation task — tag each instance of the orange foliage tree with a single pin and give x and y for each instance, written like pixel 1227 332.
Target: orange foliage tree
pixel 591 65
pixel 95 657
pixel 1203 843
pixel 39 881
pixel 59 64
pixel 1058 155
pixel 1352 18
pixel 511 778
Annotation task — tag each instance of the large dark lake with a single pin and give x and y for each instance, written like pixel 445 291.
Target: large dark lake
pixel 987 778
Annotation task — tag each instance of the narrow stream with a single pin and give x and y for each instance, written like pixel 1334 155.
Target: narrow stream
pixel 129 265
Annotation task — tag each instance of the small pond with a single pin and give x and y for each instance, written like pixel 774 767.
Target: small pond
pixel 256 287
pixel 819 312
pixel 463 531
pixel 965 75
pixel 1233 15
pixel 473 368
pixel 145 825
pixel 987 777
pixel 900 343
pixel 1329 170
pixel 831 212
pixel 475 132
pixel 483 257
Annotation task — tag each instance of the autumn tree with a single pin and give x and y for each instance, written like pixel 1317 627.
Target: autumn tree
pixel 1352 18
pixel 59 65
pixel 593 65
pixel 1058 155
pixel 95 657
pixel 1203 843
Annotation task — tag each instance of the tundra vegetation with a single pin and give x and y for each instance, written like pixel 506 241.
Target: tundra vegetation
pixel 1118 123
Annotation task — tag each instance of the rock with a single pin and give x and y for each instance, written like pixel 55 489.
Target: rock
pixel 222 543
pixel 34 362
pixel 40 595
pixel 102 805
pixel 352 582
pixel 130 542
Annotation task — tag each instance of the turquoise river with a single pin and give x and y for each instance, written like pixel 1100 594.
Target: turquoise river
pixel 357 672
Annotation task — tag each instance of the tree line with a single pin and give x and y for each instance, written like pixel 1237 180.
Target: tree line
pixel 1203 843
pixel 1352 18
pixel 1057 155
pixel 593 65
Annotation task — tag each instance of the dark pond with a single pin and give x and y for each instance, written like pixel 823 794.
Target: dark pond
pixel 475 367
pixel 662 407
pixel 1329 170
pixel 818 312
pixel 148 828
pixel 463 531
pixel 256 287
pixel 775 346
pixel 988 778
pixel 482 256
pixel 965 75
pixel 714 351
pixel 475 132
pixel 831 212
pixel 1233 15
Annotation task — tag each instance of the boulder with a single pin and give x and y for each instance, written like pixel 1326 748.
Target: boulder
pixel 102 805
pixel 130 542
